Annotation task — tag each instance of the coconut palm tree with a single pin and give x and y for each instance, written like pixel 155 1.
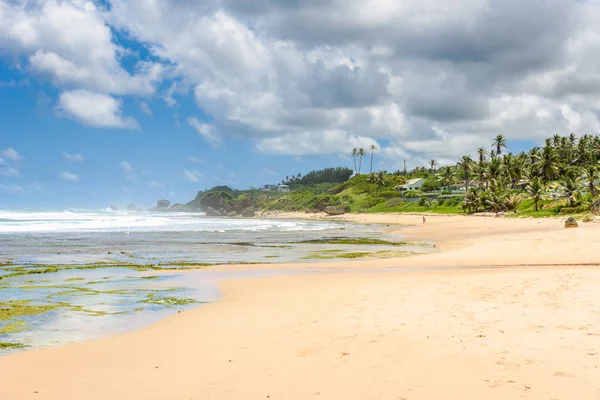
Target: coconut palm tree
pixel 447 177
pixel 361 154
pixel 571 186
pixel 535 190
pixel 548 163
pixel 432 164
pixel 499 144
pixel 465 163
pixel 591 175
pixel 372 148
pixel 481 154
pixel 354 154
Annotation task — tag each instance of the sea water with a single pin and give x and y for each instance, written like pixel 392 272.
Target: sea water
pixel 115 298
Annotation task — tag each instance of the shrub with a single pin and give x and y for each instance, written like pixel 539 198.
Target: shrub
pixel 372 201
pixel 413 194
pixel 430 185
pixel 392 203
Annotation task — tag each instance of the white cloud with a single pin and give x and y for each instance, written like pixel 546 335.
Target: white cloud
pixel 195 160
pixel 192 175
pixel 11 154
pixel 145 108
pixel 68 176
pixel 157 184
pixel 207 131
pixel 73 157
pixel 94 109
pixel 130 174
pixel 328 142
pixel 71 43
pixel 12 188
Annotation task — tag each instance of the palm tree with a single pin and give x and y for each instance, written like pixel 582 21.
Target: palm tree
pixel 481 154
pixel 432 164
pixel 548 163
pixel 571 187
pixel 535 190
pixel 591 175
pixel 499 144
pixel 447 177
pixel 465 163
pixel 513 201
pixel 372 148
pixel 354 154
pixel 361 154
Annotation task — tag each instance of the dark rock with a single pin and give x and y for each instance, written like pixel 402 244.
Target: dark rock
pixel 571 223
pixel 211 212
pixel 332 210
pixel 248 212
pixel 114 208
pixel 232 214
pixel 588 218
pixel 161 204
pixel 227 207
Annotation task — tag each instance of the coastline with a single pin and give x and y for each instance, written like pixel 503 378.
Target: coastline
pixel 384 334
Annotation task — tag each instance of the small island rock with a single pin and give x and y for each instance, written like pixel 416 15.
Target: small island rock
pixel 333 210
pixel 571 223
pixel 163 204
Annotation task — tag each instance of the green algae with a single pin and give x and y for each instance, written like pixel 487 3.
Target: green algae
pixel 19 308
pixel 331 255
pixel 357 241
pixel 74 279
pixel 150 277
pixel 11 345
pixel 168 301
pixel 13 327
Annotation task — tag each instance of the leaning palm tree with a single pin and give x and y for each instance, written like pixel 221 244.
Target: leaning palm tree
pixel 499 144
pixel 465 163
pixel 354 154
pixel 372 148
pixel 361 154
pixel 535 190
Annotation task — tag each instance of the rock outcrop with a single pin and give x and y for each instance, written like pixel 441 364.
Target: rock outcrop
pixel 333 210
pixel 588 218
pixel 571 223
pixel 113 208
pixel 162 204
pixel 232 214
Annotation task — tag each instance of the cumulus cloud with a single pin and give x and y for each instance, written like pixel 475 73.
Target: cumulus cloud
pixel 130 174
pixel 192 175
pixel 431 78
pixel 94 109
pixel 73 157
pixel 68 176
pixel 10 154
pixel 71 43
pixel 206 131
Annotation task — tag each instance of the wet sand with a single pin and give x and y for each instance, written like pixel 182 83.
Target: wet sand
pixel 528 332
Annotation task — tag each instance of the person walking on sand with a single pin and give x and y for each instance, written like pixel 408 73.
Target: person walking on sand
pixel 423 219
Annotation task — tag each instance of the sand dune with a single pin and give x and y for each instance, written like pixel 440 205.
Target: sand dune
pixel 522 332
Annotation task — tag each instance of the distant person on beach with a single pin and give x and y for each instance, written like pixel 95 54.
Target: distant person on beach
pixel 423 219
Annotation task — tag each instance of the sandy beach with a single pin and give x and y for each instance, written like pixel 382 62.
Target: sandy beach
pixel 531 330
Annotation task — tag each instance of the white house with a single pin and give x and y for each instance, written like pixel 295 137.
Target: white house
pixel 283 188
pixel 411 184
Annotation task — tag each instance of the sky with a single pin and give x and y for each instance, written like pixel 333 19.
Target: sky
pixel 130 101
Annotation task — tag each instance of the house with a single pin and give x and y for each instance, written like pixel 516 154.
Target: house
pixel 283 188
pixel 269 188
pixel 411 184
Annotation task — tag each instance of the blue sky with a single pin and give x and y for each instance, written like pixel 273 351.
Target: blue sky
pixel 131 101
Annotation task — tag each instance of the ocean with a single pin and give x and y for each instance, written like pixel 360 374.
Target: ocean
pixel 76 275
